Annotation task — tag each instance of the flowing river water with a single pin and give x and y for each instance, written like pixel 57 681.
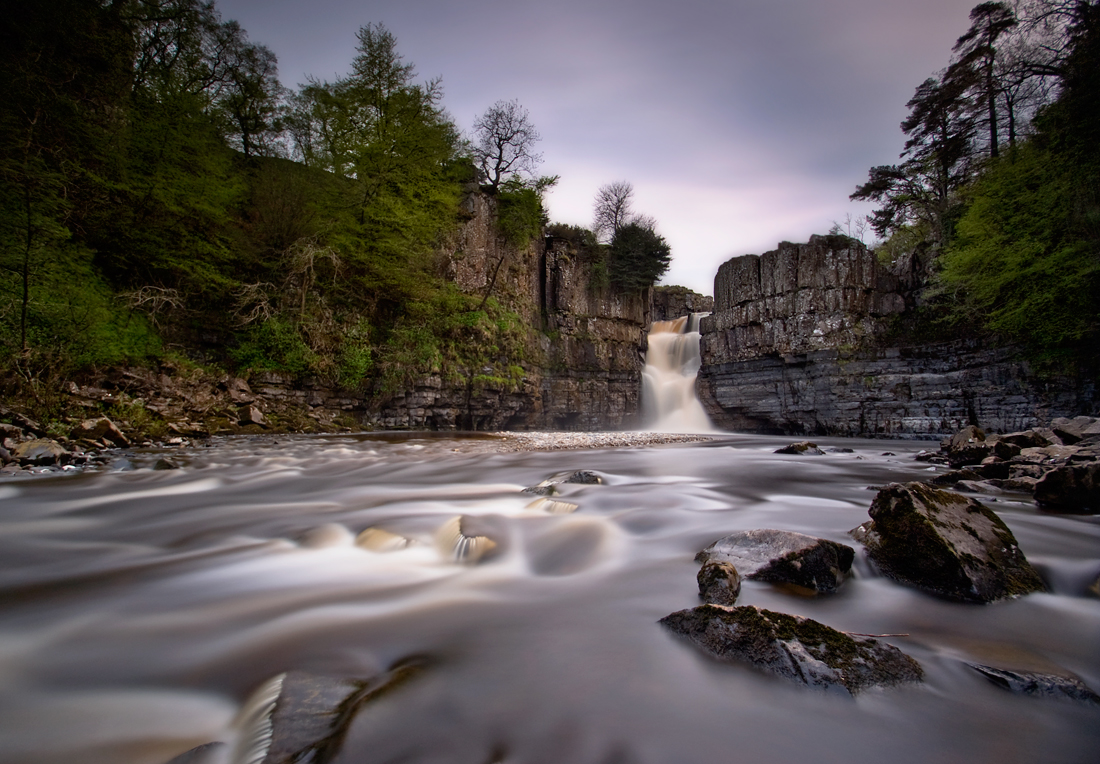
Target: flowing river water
pixel 139 610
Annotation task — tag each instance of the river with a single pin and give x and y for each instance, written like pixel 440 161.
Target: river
pixel 140 609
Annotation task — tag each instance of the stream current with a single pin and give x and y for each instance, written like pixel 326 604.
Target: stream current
pixel 139 610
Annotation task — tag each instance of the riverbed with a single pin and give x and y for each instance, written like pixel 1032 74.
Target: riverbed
pixel 141 608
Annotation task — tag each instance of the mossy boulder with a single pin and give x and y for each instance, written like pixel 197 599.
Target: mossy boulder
pixel 795 648
pixel 946 544
pixel 783 557
pixel 719 583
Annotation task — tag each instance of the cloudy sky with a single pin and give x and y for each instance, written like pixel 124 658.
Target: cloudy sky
pixel 740 123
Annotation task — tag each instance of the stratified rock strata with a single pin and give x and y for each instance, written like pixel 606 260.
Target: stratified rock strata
pixel 795 648
pixel 946 544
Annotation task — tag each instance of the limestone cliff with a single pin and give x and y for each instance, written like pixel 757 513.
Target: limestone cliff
pixel 798 344
pixel 670 302
pixel 581 362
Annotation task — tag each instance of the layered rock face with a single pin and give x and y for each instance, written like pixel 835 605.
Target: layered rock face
pixel 667 303
pixel 583 360
pixel 796 345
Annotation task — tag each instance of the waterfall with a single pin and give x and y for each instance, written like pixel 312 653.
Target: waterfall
pixel 669 403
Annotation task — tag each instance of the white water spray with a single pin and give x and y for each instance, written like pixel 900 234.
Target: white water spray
pixel 672 362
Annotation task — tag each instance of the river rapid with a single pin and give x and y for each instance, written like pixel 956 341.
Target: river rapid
pixel 139 610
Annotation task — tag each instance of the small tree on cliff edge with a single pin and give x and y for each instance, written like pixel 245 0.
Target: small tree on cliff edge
pixel 638 256
pixel 613 209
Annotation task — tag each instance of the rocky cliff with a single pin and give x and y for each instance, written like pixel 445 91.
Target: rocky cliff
pixel 671 302
pixel 798 344
pixel 582 360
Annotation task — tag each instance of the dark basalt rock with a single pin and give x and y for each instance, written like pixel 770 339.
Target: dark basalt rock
pixel 719 583
pixel 796 648
pixel 803 447
pixel 946 544
pixel 1038 685
pixel 1070 489
pixel 783 557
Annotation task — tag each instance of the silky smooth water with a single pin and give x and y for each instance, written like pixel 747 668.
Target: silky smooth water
pixel 140 610
pixel 672 363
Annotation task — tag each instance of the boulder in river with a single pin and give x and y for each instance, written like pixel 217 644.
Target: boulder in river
pixel 783 557
pixel 968 446
pixel 796 648
pixel 719 583
pixel 946 544
pixel 803 447
pixel 1074 488
pixel 1038 684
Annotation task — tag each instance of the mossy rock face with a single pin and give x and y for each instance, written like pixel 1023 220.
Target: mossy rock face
pixel 783 557
pixel 719 583
pixel 799 649
pixel 946 544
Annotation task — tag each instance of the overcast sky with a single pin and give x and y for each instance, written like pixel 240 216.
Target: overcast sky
pixel 740 123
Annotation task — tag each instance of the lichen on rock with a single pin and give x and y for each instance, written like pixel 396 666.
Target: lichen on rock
pixel 946 544
pixel 799 649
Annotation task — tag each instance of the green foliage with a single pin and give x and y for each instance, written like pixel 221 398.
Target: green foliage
pixel 638 257
pixel 520 215
pixel 1021 265
pixel 275 345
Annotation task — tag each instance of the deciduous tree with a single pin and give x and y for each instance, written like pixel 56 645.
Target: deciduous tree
pixel 503 144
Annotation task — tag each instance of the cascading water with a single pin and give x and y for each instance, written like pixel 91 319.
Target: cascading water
pixel 669 403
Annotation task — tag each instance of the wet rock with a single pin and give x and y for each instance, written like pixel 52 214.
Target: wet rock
pixel 40 452
pixel 549 487
pixel 1070 489
pixel 968 446
pixel 783 557
pixel 946 544
pixel 796 648
pixel 803 447
pixel 994 468
pixel 310 715
pixel 101 429
pixel 462 539
pixel 976 486
pixel 380 540
pixel 1038 684
pixel 165 464
pixel 719 583
pixel 5 456
pixel 950 478
pixel 208 753
pixel 553 506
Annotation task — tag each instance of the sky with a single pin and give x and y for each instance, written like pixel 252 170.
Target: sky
pixel 739 123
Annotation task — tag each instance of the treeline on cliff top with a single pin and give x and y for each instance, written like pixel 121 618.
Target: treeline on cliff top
pixel 162 194
pixel 999 181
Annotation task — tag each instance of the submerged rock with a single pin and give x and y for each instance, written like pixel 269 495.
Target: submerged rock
pixel 1070 489
pixel 719 583
pixel 796 648
pixel 783 557
pixel 299 717
pixel 464 539
pixel 1038 684
pixel 549 486
pixel 803 447
pixel 946 544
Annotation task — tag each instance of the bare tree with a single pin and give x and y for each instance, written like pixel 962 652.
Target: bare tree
pixel 613 209
pixel 504 140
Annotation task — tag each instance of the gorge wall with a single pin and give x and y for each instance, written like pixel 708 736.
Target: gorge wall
pixel 799 343
pixel 581 362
